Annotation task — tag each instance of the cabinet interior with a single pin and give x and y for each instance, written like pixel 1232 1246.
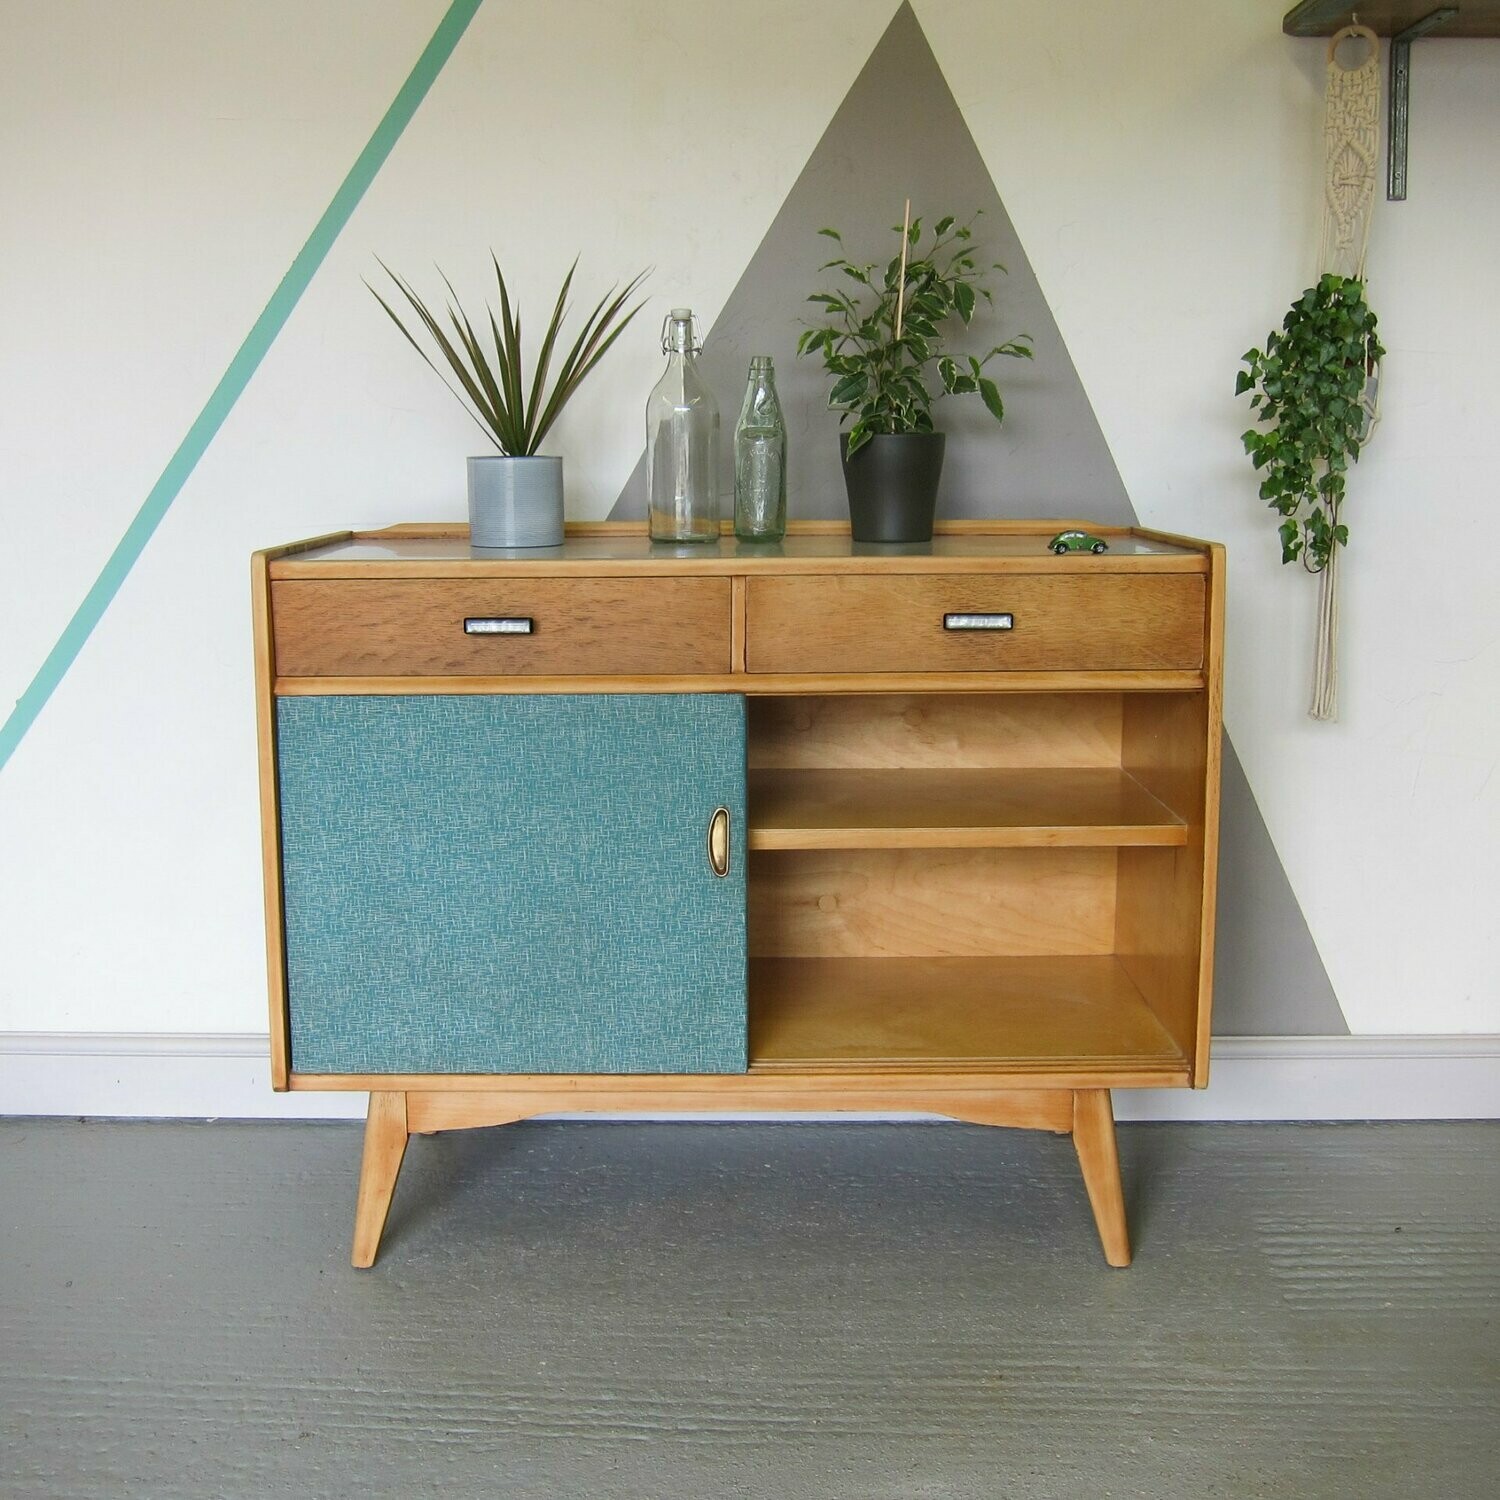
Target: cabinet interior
pixel 993 878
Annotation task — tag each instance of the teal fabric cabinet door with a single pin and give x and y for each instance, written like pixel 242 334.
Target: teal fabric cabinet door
pixel 513 884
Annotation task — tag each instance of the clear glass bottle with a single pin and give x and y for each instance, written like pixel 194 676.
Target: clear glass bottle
pixel 760 459
pixel 682 442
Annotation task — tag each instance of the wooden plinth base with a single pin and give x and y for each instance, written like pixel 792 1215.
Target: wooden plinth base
pixel 1085 1114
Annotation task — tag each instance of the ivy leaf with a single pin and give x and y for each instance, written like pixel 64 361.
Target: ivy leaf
pixel 1307 387
pixel 1291 543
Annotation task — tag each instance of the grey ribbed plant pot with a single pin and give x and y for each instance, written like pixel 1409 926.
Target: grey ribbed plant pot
pixel 515 502
pixel 893 483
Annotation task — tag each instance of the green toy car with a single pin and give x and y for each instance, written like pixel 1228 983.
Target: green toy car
pixel 1077 541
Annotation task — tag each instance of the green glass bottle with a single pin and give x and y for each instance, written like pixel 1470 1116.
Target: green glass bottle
pixel 760 459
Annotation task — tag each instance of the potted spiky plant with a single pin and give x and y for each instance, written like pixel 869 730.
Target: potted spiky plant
pixel 884 332
pixel 516 494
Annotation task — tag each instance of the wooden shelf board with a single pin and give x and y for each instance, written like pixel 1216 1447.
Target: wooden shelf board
pixel 955 809
pixel 1475 18
pixel 999 1014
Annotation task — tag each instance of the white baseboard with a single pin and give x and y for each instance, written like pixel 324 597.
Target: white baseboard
pixel 1254 1078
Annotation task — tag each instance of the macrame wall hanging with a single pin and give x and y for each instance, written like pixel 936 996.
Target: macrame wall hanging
pixel 1351 137
pixel 1317 381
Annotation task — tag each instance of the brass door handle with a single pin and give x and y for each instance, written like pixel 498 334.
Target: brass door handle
pixel 718 841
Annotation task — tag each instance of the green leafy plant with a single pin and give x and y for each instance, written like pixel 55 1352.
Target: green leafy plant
pixel 885 328
pixel 513 413
pixel 1308 388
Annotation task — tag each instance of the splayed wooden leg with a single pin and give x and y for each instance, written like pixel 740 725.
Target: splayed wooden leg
pixel 385 1146
pixel 1094 1140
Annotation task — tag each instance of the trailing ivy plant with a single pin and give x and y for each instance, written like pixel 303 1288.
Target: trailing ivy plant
pixel 1308 389
pixel 885 329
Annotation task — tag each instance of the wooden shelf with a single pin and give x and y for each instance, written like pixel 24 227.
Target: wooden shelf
pixel 1475 18
pixel 955 809
pixel 993 1014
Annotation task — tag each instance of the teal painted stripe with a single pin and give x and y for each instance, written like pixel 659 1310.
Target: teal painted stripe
pixel 229 389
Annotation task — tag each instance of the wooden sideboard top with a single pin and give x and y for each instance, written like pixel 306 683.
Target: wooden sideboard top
pixel 439 549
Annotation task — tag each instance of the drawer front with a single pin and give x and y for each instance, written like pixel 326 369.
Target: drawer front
pixel 868 623
pixel 513 884
pixel 463 627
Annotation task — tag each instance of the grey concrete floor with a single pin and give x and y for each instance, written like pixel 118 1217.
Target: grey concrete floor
pixel 661 1311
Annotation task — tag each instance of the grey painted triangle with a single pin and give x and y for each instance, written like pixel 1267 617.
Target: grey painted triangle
pixel 1269 978
pixel 900 131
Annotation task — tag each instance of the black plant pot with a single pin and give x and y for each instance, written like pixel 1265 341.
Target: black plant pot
pixel 893 484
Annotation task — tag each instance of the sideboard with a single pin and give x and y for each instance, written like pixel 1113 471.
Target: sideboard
pixel 810 826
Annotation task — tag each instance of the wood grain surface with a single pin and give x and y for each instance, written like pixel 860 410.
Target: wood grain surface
pixel 1164 931
pixel 998 1013
pixel 976 1102
pixel 932 903
pixel 386 1132
pixel 415 627
pixel 928 809
pixel 935 731
pixel 894 623
pixel 1099 1157
pixel 753 684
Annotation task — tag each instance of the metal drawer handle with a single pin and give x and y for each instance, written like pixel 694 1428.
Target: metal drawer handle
pixel 718 841
pixel 979 622
pixel 512 625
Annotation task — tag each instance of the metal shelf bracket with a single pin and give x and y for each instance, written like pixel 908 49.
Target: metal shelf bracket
pixel 1398 102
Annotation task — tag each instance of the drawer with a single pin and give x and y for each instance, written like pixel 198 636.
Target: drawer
pixel 416 627
pixel 1057 623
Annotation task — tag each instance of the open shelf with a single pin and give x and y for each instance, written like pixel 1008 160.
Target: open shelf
pixel 956 809
pixel 941 1014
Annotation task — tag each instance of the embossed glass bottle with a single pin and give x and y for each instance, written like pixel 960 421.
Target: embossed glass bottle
pixel 682 442
pixel 760 459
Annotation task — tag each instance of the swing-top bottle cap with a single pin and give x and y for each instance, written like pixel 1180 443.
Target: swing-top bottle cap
pixel 677 332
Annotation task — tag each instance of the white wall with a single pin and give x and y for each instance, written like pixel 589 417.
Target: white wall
pixel 165 159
